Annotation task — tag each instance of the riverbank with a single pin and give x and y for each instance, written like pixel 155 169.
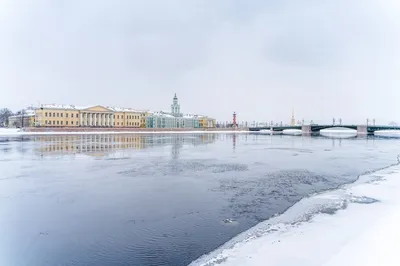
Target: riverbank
pixel 359 231
pixel 62 131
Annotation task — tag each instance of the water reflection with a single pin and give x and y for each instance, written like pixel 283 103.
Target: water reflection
pixel 103 144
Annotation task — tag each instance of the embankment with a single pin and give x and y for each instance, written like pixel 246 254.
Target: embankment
pixel 126 130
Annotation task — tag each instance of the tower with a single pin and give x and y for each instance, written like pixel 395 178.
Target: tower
pixel 175 107
pixel 292 121
pixel 234 119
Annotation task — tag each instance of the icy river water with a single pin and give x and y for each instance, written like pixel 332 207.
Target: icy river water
pixel 160 199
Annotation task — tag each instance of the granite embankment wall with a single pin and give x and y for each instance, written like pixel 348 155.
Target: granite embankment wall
pixel 108 129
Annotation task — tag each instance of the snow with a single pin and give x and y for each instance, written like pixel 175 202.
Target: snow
pixel 18 132
pixel 63 106
pixel 356 225
pixel 338 132
pixel 73 107
pixel 294 132
pixel 121 109
pixel 268 132
pixel 388 133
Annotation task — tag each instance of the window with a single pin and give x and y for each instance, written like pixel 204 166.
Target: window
pixel 54 114
pixel 61 114
pixel 58 122
pixel 117 116
pixel 117 123
pixel 49 114
pixel 66 115
pixel 45 114
pixel 61 122
pixel 76 115
pixel 58 115
pixel 54 122
pixel 66 122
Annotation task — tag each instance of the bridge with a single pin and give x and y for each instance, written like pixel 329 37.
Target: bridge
pixel 361 129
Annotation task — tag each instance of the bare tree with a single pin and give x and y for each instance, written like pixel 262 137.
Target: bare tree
pixel 5 113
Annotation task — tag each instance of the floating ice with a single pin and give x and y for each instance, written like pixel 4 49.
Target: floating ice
pixel 388 133
pixel 294 132
pixel 338 132
pixel 353 225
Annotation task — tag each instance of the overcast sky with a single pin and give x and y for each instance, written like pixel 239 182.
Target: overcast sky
pixel 260 58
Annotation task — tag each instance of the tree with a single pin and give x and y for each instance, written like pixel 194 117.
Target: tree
pixel 5 113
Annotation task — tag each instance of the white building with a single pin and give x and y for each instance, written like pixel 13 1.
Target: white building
pixel 173 119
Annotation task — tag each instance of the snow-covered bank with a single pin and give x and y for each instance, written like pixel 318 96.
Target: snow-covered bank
pixel 354 225
pixel 18 132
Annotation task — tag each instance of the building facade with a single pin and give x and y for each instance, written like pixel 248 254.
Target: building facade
pixel 207 122
pixel 25 118
pixel 94 116
pixel 175 119
pixel 52 115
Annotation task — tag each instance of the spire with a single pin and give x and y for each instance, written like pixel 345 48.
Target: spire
pixel 175 108
pixel 292 121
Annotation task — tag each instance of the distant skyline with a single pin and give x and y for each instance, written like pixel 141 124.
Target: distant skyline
pixel 260 58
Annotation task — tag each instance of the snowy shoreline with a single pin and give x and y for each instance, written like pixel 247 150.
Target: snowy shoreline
pixel 352 225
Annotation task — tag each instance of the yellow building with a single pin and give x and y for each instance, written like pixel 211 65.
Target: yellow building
pixel 52 115
pixel 206 122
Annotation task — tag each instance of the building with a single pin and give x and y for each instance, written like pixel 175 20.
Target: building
pixel 175 119
pixel 52 115
pixel 25 118
pixel 206 122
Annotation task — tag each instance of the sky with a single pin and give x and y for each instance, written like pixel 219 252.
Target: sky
pixel 261 58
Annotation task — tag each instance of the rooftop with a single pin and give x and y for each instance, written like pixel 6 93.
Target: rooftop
pixel 74 107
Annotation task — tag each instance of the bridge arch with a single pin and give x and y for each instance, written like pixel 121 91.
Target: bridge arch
pixel 317 128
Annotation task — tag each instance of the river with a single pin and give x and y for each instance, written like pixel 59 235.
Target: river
pixel 160 199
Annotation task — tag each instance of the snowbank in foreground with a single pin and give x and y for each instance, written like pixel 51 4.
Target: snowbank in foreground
pixel 355 225
pixel 18 132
